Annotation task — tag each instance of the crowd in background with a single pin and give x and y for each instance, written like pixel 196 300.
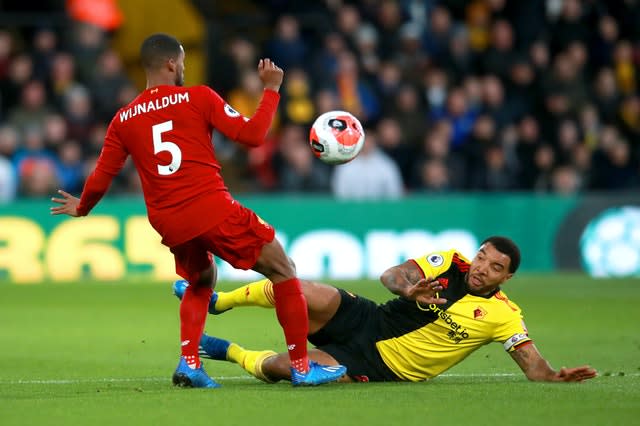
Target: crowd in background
pixel 460 95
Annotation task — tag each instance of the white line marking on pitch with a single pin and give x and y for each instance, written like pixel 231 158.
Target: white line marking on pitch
pixel 229 378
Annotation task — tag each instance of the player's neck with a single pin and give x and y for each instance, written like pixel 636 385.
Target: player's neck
pixel 160 80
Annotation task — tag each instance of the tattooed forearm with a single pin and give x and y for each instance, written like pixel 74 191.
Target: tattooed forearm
pixel 398 278
pixel 532 364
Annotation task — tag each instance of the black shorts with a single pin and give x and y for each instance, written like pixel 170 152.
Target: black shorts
pixel 350 337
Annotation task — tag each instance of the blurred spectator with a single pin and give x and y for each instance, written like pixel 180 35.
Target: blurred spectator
pixel 495 104
pixel 522 88
pixel 89 41
pixel 568 138
pixel 494 173
pixel 590 126
pixel 388 82
pixel 366 45
pixel 483 136
pixel 409 114
pixel 434 176
pixel 6 49
pixel 501 53
pixel 372 175
pixel 527 146
pixel 19 74
pixel 70 167
pixel 296 104
pixel 544 160
pixel 63 78
pixel 478 22
pixel 459 115
pixel 79 114
pixel 287 48
pixel 459 60
pixel 439 32
pixel 435 90
pixel 624 67
pixel 109 78
pixel 629 119
pixel 45 42
pixel 296 167
pixel 571 26
pixel 349 24
pixel 9 141
pixel 35 164
pixel 606 95
pixel 392 139
pixel 33 108
pixel 604 42
pixel 325 61
pixel 409 55
pixel 436 151
pixel 55 131
pixel 565 180
pixel 355 94
pixel 389 20
pixel 565 81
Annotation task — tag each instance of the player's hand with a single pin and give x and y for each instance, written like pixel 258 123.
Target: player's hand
pixel 68 204
pixel 425 292
pixel 577 374
pixel 270 74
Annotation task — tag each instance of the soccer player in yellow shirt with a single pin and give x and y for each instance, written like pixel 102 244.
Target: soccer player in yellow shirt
pixel 447 308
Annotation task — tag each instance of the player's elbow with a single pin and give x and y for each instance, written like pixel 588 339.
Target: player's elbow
pixel 250 141
pixel 387 276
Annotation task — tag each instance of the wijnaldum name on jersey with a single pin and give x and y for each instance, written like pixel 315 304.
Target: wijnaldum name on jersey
pixel 154 105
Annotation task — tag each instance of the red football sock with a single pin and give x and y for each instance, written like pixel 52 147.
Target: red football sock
pixel 193 314
pixel 291 310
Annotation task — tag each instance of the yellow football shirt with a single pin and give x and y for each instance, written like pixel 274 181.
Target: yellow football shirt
pixel 420 342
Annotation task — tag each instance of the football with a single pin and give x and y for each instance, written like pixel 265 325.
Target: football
pixel 336 137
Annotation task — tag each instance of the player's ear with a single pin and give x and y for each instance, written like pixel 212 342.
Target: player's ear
pixel 171 64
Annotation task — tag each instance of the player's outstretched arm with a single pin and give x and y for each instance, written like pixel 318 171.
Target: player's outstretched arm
pixel 68 204
pixel 406 281
pixel 537 369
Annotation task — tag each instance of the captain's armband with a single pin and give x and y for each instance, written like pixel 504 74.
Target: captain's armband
pixel 516 340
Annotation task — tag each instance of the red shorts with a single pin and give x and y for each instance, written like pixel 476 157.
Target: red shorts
pixel 238 240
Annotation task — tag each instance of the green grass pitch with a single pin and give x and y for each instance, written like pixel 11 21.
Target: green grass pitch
pixel 103 354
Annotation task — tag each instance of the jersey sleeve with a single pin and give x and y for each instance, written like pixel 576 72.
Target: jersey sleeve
pixel 247 131
pixel 512 333
pixel 110 162
pixel 436 263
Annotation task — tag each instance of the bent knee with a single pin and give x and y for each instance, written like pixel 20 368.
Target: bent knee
pixel 207 278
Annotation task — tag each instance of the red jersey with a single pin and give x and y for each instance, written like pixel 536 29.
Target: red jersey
pixel 167 131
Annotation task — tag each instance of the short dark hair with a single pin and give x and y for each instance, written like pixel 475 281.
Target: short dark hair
pixel 506 246
pixel 158 48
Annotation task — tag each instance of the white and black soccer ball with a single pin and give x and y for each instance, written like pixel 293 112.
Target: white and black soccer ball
pixel 336 137
pixel 610 244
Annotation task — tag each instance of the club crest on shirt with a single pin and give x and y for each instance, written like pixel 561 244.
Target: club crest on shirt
pixel 435 260
pixel 479 313
pixel 230 111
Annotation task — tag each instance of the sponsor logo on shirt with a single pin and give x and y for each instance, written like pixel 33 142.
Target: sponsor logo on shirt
pixel 457 332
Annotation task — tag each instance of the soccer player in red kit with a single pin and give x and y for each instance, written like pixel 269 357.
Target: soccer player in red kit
pixel 167 131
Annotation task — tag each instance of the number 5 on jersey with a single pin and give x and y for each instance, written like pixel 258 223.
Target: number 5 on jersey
pixel 159 146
